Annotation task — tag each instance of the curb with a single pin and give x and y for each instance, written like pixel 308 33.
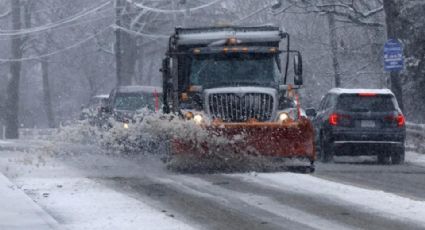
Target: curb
pixel 19 211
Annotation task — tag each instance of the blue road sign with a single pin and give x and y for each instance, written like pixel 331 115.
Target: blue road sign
pixel 393 56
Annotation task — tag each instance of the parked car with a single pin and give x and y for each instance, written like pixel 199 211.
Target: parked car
pixel 360 122
pixel 127 101
pixel 93 111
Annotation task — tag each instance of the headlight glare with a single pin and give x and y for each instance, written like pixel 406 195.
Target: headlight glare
pixel 198 119
pixel 283 117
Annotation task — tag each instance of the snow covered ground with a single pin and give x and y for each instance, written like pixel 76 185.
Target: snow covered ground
pixel 80 187
pixel 415 158
pixel 374 201
pixel 18 211
pixel 63 197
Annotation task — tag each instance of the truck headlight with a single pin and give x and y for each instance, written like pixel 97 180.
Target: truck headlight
pixel 283 117
pixel 188 115
pixel 198 119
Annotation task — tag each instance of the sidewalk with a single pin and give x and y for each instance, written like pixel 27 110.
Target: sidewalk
pixel 19 212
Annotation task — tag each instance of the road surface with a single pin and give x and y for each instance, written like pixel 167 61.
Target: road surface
pixel 84 188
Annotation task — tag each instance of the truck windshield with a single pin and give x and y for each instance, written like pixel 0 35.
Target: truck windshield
pixel 134 101
pixel 234 70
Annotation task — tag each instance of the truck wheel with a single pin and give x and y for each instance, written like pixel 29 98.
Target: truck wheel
pixel 383 158
pixel 326 151
pixel 397 157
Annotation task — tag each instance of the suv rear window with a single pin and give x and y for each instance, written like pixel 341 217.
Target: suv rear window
pixel 358 103
pixel 135 101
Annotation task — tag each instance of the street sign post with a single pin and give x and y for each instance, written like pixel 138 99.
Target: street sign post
pixel 393 56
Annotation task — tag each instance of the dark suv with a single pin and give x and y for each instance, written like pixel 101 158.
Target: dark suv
pixel 127 101
pixel 357 122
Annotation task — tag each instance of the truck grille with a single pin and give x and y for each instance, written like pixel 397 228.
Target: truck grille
pixel 230 107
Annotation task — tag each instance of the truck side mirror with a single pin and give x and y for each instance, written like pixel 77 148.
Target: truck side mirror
pixel 165 69
pixel 298 69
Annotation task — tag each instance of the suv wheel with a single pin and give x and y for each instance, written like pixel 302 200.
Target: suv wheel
pixel 383 158
pixel 326 151
pixel 397 157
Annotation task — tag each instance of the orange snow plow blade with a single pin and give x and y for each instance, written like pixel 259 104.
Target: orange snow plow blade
pixel 268 139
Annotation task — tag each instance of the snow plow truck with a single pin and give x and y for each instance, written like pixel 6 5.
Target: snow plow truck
pixel 233 81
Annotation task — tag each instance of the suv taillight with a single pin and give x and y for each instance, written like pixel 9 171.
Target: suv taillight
pixel 333 119
pixel 401 121
pixel 336 119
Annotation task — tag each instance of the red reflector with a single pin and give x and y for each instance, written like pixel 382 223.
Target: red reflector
pixel 367 94
pixel 333 119
pixel 401 121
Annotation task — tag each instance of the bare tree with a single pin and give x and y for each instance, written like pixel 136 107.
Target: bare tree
pixel 333 38
pixel 12 103
pixel 125 52
pixel 40 46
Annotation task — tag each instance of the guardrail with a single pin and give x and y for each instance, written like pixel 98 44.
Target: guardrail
pixel 35 133
pixel 415 137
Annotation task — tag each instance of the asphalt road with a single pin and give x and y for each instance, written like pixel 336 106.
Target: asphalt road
pixel 234 201
pixel 407 180
pixel 223 201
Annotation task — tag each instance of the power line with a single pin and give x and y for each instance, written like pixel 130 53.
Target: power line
pixel 147 35
pixel 58 51
pixel 157 10
pixel 88 21
pixel 53 25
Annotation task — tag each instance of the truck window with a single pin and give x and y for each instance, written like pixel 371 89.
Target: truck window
pixel 234 70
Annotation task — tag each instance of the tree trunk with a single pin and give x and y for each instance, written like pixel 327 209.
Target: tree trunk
pixel 125 47
pixel 333 38
pixel 12 103
pixel 47 99
pixel 392 20
pixel 118 51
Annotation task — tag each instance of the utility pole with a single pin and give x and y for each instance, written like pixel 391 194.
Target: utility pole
pixel 12 102
pixel 392 20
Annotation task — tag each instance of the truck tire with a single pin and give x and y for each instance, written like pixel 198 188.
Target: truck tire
pixel 383 158
pixel 397 157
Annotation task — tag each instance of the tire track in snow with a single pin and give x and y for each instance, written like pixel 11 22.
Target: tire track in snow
pixel 265 203
pixel 201 207
pixel 400 212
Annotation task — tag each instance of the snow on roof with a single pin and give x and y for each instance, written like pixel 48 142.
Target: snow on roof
pixel 356 91
pixel 199 36
pixel 139 88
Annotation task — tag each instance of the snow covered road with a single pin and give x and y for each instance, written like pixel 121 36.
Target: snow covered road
pixel 86 189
